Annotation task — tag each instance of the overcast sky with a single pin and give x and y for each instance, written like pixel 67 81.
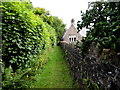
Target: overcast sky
pixel 64 9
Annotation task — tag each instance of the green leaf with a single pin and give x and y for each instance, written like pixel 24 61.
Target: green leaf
pixel 13 40
pixel 106 38
pixel 114 30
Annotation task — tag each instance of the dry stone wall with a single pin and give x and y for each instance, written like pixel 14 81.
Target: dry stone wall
pixel 104 74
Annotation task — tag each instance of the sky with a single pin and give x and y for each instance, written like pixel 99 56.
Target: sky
pixel 64 9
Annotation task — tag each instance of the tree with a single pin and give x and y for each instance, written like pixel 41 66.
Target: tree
pixel 53 21
pixel 102 19
pixel 41 11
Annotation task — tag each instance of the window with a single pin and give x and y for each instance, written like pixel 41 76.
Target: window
pixel 72 38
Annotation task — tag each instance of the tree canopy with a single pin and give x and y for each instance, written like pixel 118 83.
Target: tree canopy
pixel 53 21
pixel 103 21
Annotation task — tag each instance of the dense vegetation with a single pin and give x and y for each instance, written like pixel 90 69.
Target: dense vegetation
pixel 52 21
pixel 27 34
pixel 103 21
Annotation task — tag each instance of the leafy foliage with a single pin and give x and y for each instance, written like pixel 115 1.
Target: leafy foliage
pixel 26 36
pixel 14 80
pixel 102 19
pixel 53 21
pixel 90 85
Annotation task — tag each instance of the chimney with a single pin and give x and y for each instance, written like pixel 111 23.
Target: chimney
pixel 72 22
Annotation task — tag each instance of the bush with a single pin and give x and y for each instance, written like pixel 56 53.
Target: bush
pixel 25 35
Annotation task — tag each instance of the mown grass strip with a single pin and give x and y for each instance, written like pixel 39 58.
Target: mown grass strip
pixel 56 73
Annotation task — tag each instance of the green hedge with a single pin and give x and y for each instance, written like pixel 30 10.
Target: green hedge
pixel 24 34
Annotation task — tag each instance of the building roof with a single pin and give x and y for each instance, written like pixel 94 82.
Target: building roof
pixel 71 31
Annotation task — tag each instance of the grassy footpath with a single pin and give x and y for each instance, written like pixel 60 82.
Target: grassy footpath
pixel 56 73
